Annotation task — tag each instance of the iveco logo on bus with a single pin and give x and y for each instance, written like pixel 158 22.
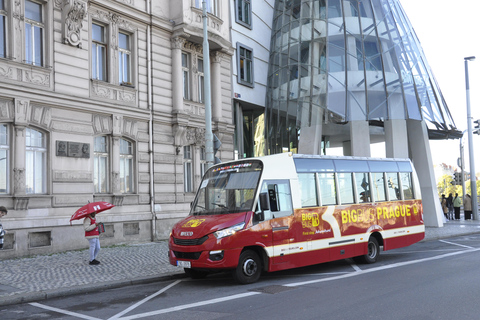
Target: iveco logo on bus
pixel 186 233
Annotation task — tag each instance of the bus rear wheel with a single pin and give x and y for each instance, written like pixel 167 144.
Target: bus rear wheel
pixel 249 268
pixel 373 251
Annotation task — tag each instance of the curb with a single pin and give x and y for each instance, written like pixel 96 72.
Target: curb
pixel 65 292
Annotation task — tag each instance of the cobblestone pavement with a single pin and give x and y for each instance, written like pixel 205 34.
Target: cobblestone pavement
pixel 47 276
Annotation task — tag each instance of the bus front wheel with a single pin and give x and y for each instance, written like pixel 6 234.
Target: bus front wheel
pixel 249 268
pixel 373 251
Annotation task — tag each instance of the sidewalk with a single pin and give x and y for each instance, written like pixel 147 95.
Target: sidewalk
pixel 49 276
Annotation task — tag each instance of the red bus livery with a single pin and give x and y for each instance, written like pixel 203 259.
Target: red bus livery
pixel 286 211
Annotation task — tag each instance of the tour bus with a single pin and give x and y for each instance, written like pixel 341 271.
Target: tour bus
pixel 288 210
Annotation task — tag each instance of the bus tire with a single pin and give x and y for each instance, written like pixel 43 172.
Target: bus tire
pixel 195 274
pixel 249 268
pixel 373 251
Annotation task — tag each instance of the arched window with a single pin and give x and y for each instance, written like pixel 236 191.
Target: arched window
pixel 126 166
pixel 35 161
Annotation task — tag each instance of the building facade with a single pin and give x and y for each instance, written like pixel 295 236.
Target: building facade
pixel 103 101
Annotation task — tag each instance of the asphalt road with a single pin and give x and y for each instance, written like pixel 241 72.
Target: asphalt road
pixel 428 280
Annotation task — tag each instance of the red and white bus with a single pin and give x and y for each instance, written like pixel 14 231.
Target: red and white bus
pixel 287 210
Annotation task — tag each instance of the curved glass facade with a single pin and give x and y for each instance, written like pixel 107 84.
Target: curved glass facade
pixel 353 59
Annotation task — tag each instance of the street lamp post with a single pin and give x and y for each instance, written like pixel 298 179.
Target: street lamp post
pixel 473 179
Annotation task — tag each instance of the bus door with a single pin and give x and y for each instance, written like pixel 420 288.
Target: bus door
pixel 279 212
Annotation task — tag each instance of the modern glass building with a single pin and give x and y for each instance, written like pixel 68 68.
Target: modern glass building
pixel 334 62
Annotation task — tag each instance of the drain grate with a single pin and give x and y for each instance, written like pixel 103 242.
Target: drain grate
pixel 272 289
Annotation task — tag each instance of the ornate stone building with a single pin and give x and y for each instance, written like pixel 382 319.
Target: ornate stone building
pixel 103 100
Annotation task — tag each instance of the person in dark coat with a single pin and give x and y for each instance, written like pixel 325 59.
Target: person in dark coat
pixel 450 206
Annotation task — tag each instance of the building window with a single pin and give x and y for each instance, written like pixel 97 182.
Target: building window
pixel 212 6
pixel 36 162
pixel 126 166
pixel 4 158
pixel 124 54
pixel 99 53
pixel 201 82
pixel 203 161
pixel 243 13
pixel 100 165
pixel 3 33
pixel 186 75
pixel 187 169
pixel 244 65
pixel 34 29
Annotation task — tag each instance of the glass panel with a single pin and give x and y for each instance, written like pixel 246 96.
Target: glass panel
pixel 38 45
pixel 363 187
pixel 378 186
pixel 123 41
pixel 393 186
pixel 328 194
pixel 3 37
pixel 3 171
pixel 308 189
pixel 97 33
pixel 345 186
pixel 407 186
pixel 33 11
pixel 28 43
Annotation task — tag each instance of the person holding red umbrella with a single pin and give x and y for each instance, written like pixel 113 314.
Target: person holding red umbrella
pixel 92 234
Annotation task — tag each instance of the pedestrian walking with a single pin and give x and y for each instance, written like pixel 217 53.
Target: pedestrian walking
pixel 92 234
pixel 467 207
pixel 3 212
pixel 444 206
pixel 450 206
pixel 457 203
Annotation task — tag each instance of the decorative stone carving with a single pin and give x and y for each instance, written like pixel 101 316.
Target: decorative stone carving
pixel 116 182
pixel 195 135
pixel 6 110
pixel 20 203
pixel 19 181
pixel 74 11
pixel 177 43
pixel 102 124
pixel 22 111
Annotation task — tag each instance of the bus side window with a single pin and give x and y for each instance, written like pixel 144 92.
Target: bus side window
pixel 280 196
pixel 393 187
pixel 406 178
pixel 308 189
pixel 345 187
pixel 363 187
pixel 328 194
pixel 378 186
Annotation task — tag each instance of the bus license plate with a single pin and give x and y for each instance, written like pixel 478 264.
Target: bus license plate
pixel 184 264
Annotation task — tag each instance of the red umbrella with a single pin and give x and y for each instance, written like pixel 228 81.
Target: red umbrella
pixel 84 211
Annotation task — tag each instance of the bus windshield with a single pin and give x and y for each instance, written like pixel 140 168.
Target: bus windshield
pixel 228 188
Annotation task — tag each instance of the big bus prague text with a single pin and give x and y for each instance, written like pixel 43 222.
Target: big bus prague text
pixel 286 211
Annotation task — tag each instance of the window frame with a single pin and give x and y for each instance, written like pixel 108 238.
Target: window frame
pixel 35 151
pixel 33 25
pixel 126 158
pixel 188 168
pixel 97 156
pixel 3 26
pixel 186 75
pixel 125 53
pixel 96 45
pixel 242 78
pixel 6 148
pixel 200 80
pixel 241 17
pixel 212 6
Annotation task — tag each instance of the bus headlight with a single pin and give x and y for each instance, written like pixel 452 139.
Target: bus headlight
pixel 229 231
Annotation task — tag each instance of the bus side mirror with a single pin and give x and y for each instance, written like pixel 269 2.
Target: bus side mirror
pixel 264 203
pixel 273 198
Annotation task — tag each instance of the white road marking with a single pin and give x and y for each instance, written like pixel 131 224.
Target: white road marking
pixel 386 267
pixel 118 315
pixel 190 305
pixel 354 266
pixel 73 314
pixel 456 244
